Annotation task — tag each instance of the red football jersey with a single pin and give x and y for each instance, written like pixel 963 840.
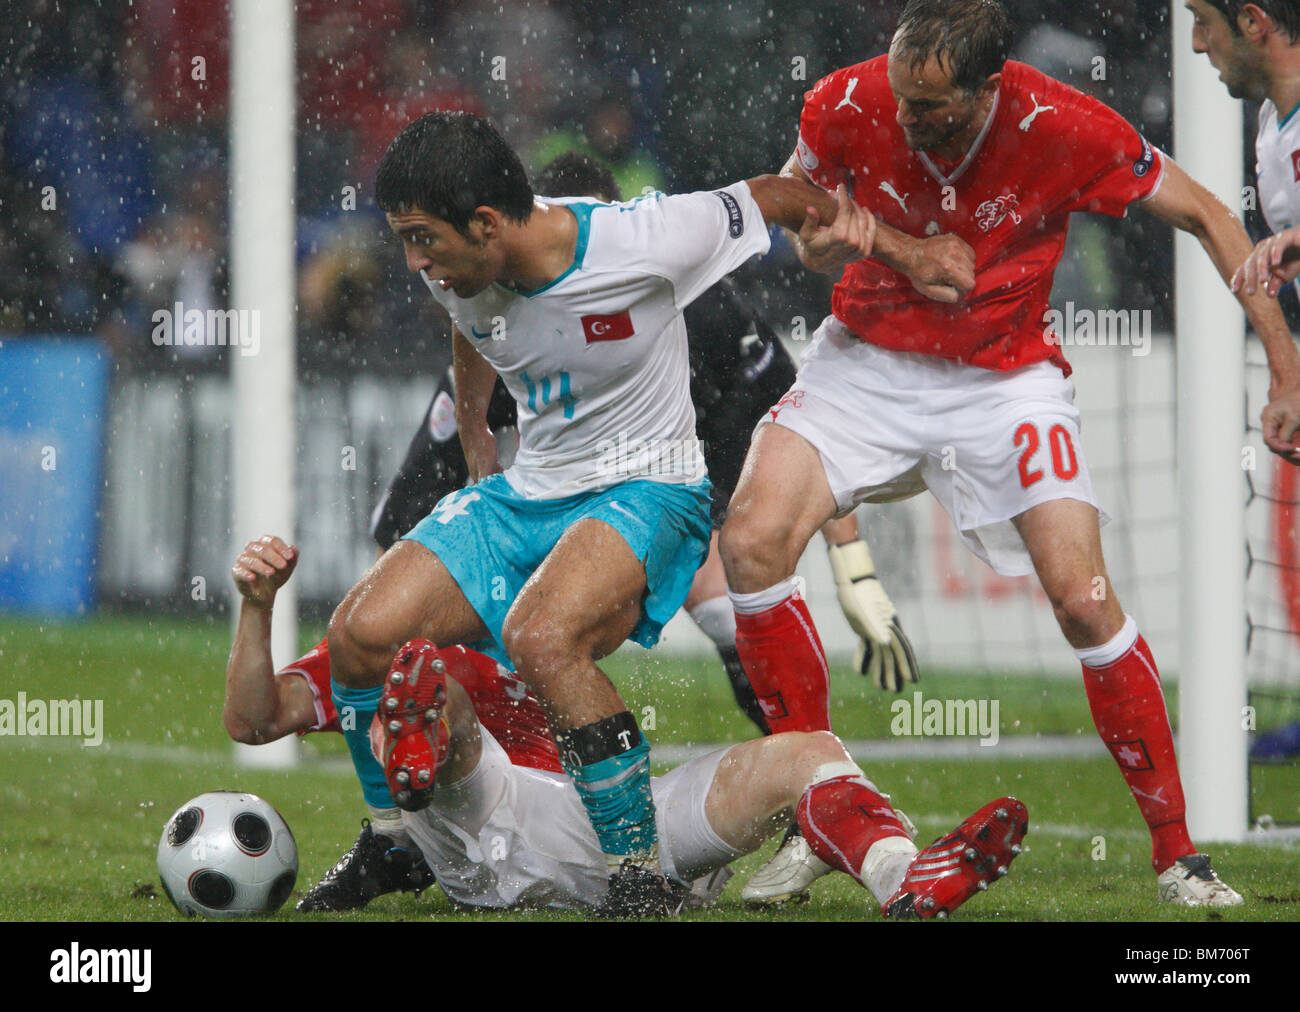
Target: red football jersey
pixel 503 703
pixel 1045 151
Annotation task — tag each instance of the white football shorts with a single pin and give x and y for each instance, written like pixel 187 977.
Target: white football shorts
pixel 509 835
pixel 989 445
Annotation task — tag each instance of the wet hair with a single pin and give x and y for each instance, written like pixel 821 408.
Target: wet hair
pixel 575 174
pixel 1285 12
pixel 972 39
pixel 449 163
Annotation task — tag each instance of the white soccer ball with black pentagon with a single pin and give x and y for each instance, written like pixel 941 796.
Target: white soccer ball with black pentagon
pixel 227 854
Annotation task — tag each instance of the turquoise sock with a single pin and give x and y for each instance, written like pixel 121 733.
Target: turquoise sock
pixel 356 708
pixel 616 794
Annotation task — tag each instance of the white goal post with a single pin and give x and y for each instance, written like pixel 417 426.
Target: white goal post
pixel 1210 331
pixel 262 115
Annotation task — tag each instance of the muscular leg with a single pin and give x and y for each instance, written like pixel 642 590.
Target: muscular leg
pixel 1064 541
pixel 780 502
pixel 1119 673
pixel 710 579
pixel 580 604
pixel 851 826
pixel 710 608
pixel 840 531
pixel 758 784
pixel 408 593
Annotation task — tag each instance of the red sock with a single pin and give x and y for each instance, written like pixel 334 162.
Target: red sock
pixel 841 818
pixel 783 657
pixel 1128 708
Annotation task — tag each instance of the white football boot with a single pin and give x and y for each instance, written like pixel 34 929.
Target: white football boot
pixel 1191 882
pixel 793 869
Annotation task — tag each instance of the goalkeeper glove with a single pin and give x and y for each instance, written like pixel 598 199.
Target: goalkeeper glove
pixel 884 652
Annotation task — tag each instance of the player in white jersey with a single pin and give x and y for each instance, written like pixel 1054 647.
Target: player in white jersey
pixel 1255 47
pixel 505 828
pixel 594 533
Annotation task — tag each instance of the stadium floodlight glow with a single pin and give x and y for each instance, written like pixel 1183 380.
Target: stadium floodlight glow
pixel 262 279
pixel 1212 745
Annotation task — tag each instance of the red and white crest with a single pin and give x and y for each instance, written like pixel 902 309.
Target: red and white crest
pixel 991 213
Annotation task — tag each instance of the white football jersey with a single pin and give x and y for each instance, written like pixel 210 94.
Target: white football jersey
pixel 597 358
pixel 1277 165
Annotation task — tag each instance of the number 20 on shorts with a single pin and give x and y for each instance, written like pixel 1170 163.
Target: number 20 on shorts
pixel 1065 465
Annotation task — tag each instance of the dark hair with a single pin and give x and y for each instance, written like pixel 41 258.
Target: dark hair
pixel 447 164
pixel 575 174
pixel 1285 12
pixel 972 37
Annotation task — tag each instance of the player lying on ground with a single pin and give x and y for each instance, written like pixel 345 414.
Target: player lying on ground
pixel 738 367
pixel 1255 47
pixel 972 400
pixel 595 532
pixel 504 826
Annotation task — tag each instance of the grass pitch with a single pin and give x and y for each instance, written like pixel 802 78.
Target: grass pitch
pixel 79 825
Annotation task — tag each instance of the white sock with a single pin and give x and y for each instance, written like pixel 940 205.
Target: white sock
pixel 717 620
pixel 762 600
pixel 886 864
pixel 388 822
pixel 887 859
pixel 1112 650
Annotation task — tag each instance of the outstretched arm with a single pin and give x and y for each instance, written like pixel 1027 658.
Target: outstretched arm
pixel 1275 262
pixel 259 706
pixel 1186 204
pixel 1272 264
pixel 940 267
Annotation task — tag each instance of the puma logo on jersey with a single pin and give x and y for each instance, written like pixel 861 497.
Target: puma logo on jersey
pixel 848 96
pixel 992 213
pixel 1028 121
pixel 889 189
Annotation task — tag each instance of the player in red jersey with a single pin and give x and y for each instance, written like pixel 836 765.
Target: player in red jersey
pixel 946 138
pixel 502 825
pixel 263 704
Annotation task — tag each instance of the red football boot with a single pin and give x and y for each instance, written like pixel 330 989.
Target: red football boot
pixel 957 866
pixel 413 738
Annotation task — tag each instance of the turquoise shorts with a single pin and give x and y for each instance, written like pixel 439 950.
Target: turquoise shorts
pixel 492 539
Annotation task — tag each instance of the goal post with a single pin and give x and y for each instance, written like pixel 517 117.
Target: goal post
pixel 1210 333
pixel 262 117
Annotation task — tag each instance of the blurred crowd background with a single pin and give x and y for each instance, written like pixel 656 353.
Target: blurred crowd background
pixel 122 107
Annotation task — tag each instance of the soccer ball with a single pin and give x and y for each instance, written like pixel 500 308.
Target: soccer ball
pixel 227 854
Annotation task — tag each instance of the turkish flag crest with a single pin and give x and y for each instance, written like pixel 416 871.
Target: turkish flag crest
pixel 608 328
pixel 1131 755
pixel 1295 164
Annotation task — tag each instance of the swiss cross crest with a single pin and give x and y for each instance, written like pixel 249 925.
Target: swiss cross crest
pixel 991 213
pixel 1131 755
pixel 773 706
